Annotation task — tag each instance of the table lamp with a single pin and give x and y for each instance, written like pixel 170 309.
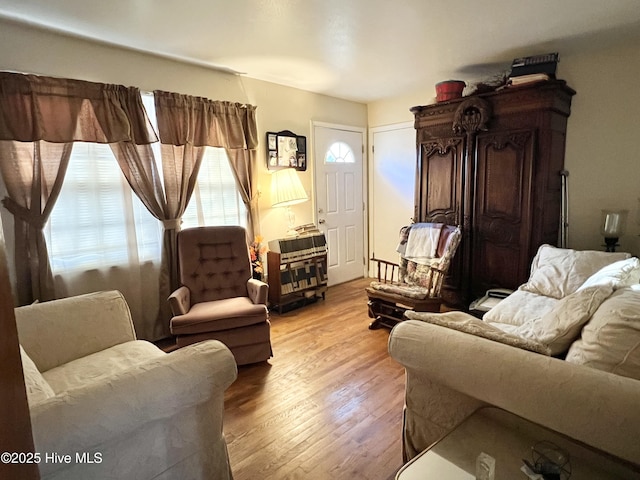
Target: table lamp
pixel 287 190
pixel 613 227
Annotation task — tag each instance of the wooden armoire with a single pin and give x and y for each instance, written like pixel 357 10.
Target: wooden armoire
pixel 493 163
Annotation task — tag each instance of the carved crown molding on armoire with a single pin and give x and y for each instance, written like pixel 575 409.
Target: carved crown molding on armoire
pixel 472 115
pixel 491 163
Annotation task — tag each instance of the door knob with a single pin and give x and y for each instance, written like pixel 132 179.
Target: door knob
pixel 321 222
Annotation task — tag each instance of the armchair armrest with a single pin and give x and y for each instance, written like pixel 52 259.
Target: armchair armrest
pixel 86 418
pixel 385 270
pixel 180 301
pixel 258 291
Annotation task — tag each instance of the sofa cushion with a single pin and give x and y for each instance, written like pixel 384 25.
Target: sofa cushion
pixel 519 308
pixel 622 273
pixel 406 290
pixel 101 365
pixel 464 322
pixel 558 328
pixel 214 316
pixel 558 272
pixel 37 387
pixel 610 341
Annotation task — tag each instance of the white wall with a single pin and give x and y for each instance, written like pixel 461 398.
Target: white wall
pixel 31 50
pixel 602 154
pixel 602 148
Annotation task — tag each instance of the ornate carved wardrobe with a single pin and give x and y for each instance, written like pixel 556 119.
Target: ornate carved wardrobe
pixel 492 164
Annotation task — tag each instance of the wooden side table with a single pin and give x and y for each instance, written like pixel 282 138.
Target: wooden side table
pixel 508 439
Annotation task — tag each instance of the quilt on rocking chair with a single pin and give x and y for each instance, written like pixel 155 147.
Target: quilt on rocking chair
pixel 426 250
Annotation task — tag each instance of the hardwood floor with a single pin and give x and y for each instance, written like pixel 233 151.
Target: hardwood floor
pixel 328 405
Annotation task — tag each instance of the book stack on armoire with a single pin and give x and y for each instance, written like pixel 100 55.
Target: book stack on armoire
pixel 537 68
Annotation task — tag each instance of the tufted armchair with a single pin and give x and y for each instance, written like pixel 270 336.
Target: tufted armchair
pixel 217 298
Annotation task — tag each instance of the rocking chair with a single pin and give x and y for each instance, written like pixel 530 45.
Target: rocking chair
pixel 426 250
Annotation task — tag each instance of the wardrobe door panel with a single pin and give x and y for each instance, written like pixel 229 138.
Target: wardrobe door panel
pixel 439 198
pixel 502 216
pixel 441 182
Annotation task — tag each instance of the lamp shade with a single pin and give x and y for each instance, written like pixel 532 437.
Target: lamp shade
pixel 613 223
pixel 286 188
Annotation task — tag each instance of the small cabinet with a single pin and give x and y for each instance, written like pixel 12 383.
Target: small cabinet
pixel 297 270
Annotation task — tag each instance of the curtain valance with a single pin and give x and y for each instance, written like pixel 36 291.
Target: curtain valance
pixel 61 110
pixel 198 121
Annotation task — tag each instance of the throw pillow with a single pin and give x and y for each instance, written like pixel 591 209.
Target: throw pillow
pixel 622 273
pixel 611 339
pixel 519 308
pixel 558 272
pixel 561 326
pixel 466 323
pixel 37 387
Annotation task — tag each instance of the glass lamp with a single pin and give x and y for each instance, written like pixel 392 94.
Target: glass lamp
pixel 612 227
pixel 287 190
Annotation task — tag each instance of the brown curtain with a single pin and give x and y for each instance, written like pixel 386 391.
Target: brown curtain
pixel 33 174
pixel 186 125
pixel 61 110
pixel 243 161
pixel 39 119
pixel 243 165
pixel 180 170
pixel 136 159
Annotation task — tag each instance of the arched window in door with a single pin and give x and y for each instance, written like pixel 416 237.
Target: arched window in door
pixel 339 152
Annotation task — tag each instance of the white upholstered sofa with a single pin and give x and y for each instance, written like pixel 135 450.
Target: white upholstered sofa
pixel 121 408
pixel 563 351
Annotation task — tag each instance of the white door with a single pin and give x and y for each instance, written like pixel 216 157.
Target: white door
pixel 338 164
pixel 391 187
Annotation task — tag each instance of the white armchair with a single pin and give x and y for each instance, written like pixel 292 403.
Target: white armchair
pixel 120 407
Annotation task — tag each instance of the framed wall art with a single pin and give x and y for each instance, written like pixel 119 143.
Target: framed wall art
pixel 285 149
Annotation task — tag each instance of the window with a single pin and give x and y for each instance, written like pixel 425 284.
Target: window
pixel 215 199
pixel 101 237
pixel 98 221
pixel 339 152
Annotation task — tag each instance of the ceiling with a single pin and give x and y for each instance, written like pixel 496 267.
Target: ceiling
pixel 361 50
